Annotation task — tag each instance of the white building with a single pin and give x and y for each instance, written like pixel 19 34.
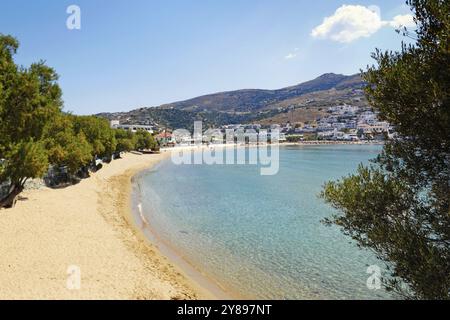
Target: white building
pixel 344 109
pixel 115 124
pixel 376 127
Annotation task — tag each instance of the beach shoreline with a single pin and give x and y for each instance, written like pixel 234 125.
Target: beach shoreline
pixel 93 226
pixel 87 226
pixel 204 283
pixel 206 287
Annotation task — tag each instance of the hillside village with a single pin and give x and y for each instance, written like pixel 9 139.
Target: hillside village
pixel 329 108
pixel 340 123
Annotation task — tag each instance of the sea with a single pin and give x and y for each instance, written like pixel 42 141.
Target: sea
pixel 263 236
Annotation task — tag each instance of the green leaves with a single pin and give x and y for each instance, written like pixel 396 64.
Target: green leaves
pixel 8 48
pixel 144 141
pixel 125 140
pixel 79 153
pixel 35 133
pixel 98 133
pixel 33 130
pixel 25 160
pixel 400 207
pixel 66 147
pixel 29 101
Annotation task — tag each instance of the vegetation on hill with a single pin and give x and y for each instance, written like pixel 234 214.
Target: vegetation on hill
pixel 250 106
pixel 400 206
pixel 36 134
pixel 259 100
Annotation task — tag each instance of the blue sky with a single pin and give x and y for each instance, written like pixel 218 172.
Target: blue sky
pixel 130 54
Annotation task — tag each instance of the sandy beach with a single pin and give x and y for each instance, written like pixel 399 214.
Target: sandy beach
pixel 91 226
pixel 88 226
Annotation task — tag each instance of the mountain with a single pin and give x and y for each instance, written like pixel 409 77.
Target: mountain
pixel 255 100
pixel 302 101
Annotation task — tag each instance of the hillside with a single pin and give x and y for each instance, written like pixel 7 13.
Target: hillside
pixel 256 100
pixel 244 106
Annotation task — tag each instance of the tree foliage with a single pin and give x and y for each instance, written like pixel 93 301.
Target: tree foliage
pixel 400 205
pixel 125 140
pixel 29 99
pixel 65 146
pixel 36 133
pixel 145 141
pixel 98 133
pixel 32 159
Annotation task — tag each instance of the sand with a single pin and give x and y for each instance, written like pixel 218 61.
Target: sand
pixel 88 226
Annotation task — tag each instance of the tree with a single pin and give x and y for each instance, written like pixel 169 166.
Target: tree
pixel 98 133
pixel 399 206
pixel 125 140
pixel 26 160
pixel 30 98
pixel 65 147
pixel 145 141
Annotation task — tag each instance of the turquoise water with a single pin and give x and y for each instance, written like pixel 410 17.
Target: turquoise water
pixel 262 236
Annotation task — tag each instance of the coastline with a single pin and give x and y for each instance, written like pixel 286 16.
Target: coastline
pixel 145 227
pixel 93 225
pixel 205 287
pixel 87 226
pixel 204 284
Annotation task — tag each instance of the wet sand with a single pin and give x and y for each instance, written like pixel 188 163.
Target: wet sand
pixel 87 226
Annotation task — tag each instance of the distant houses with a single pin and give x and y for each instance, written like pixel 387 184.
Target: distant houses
pixel 337 135
pixel 344 123
pixel 375 128
pixel 115 124
pixel 165 139
pixel 337 123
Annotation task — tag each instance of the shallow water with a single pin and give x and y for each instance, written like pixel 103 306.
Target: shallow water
pixel 262 236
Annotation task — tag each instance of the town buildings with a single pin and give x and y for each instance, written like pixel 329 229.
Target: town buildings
pixel 339 123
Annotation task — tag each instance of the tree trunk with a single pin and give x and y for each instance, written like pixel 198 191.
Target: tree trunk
pixel 10 200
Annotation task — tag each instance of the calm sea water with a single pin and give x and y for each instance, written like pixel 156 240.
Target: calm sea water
pixel 262 236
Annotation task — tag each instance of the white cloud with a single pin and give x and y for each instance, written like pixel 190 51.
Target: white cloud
pixel 348 24
pixel 401 21
pixel 290 56
pixel 352 22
